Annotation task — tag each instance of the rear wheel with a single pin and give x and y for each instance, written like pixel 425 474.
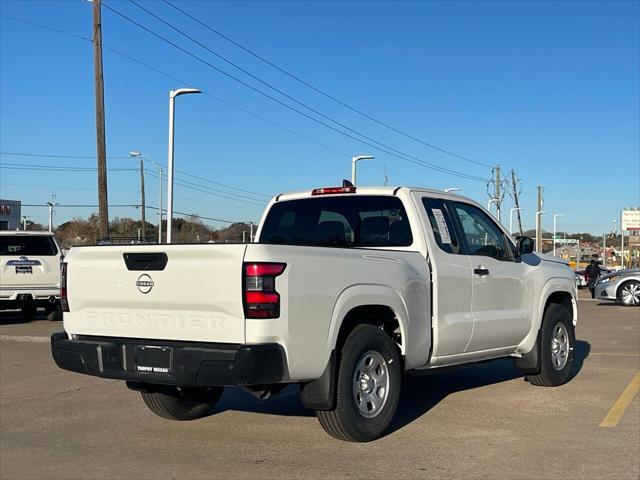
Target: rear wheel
pixel 629 293
pixel 557 344
pixel 368 387
pixel 183 403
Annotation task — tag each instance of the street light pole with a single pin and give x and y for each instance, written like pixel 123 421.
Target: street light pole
pixel 355 160
pixel 172 96
pixel 556 215
pixel 511 218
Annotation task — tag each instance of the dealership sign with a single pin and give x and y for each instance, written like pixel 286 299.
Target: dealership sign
pixel 630 220
pixel 5 210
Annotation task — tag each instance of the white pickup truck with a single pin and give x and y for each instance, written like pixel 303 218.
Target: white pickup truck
pixel 344 291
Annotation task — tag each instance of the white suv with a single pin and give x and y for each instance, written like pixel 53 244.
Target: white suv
pixel 29 272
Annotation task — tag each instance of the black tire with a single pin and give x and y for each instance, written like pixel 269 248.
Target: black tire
pixel 550 374
pixel 345 421
pixel 28 311
pixel 183 404
pixel 628 284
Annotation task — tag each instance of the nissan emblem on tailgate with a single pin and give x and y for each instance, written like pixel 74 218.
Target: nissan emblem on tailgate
pixel 144 283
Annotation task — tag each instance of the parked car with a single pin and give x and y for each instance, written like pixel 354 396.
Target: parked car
pixel 29 272
pixel 622 286
pixel 581 279
pixel 344 291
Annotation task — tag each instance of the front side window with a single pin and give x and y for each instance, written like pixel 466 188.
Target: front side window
pixel 482 235
pixel 16 245
pixel 340 221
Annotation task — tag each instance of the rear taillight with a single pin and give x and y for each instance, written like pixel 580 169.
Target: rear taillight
pixel 261 300
pixel 64 303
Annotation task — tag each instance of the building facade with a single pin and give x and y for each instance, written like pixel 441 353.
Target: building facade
pixel 10 214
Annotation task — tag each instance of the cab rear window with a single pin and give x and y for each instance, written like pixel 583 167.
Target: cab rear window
pixel 13 245
pixel 355 221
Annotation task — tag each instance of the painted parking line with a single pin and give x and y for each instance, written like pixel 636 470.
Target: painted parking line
pixel 24 338
pixel 621 405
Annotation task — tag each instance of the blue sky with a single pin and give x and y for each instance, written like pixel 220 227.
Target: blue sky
pixel 550 89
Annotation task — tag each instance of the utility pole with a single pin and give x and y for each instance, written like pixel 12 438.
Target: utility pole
pixel 515 194
pixel 498 194
pixel 604 250
pixel 539 222
pixel 143 202
pixel 103 206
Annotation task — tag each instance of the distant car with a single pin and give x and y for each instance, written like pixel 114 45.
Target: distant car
pixel 582 280
pixel 29 272
pixel 622 286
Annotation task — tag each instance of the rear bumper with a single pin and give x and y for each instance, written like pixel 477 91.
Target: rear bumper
pixel 192 363
pixel 36 293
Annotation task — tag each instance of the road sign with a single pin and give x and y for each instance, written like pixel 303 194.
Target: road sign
pixel 630 220
pixel 566 240
pixel 634 240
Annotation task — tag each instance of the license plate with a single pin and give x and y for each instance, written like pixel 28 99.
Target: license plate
pixel 20 269
pixel 153 359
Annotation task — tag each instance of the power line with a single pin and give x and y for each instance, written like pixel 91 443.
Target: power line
pixel 167 75
pixel 80 157
pixel 208 191
pixel 57 168
pixel 198 216
pixel 248 112
pixel 386 149
pixel 172 77
pixel 284 93
pixel 321 92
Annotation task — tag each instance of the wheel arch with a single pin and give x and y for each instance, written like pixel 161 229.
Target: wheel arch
pixel 555 291
pixel 362 304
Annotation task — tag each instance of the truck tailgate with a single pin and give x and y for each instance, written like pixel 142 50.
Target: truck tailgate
pixel 196 296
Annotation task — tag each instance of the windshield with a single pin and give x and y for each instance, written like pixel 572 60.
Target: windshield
pixel 354 221
pixel 17 245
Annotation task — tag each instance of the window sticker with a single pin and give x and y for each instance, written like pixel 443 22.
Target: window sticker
pixel 442 225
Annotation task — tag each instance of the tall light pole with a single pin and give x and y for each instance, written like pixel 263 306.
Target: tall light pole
pixel 555 215
pixel 355 160
pixel 172 97
pixel 511 218
pixel 135 154
pixel 539 230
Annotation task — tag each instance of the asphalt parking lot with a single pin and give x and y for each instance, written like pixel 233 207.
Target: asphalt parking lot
pixel 482 421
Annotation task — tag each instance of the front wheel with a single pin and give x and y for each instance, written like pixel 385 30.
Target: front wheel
pixel 557 344
pixel 182 403
pixel 629 293
pixel 368 387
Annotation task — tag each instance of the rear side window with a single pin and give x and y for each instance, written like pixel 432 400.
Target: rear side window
pixel 441 225
pixel 353 221
pixel 16 245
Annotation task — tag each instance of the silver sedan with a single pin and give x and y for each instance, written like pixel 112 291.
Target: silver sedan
pixel 622 287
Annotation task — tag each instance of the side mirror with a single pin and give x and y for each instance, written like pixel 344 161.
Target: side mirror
pixel 524 245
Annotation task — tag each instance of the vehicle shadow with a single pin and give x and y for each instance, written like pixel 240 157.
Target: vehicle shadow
pixel 420 393
pixel 11 317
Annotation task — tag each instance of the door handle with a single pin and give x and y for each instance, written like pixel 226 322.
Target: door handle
pixel 483 272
